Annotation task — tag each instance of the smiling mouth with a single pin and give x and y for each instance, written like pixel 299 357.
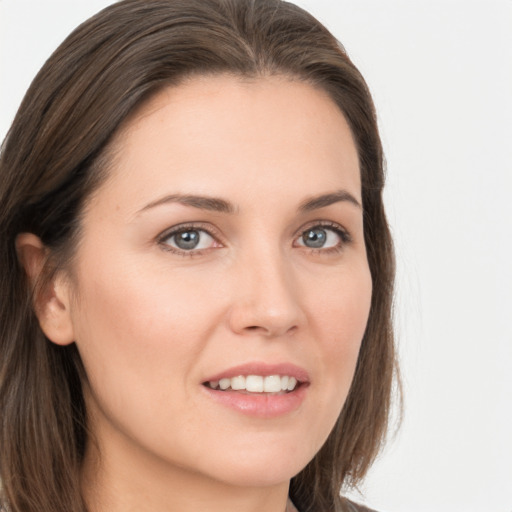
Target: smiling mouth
pixel 275 384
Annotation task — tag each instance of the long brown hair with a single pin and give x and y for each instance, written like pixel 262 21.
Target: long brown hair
pixel 56 154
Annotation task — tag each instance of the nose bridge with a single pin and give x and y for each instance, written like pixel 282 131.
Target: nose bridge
pixel 266 301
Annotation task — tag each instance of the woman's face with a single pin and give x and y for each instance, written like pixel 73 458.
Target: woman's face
pixel 225 250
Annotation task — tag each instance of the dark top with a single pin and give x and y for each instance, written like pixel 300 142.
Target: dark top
pixel 354 507
pixel 351 507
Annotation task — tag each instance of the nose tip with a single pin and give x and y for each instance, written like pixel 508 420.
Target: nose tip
pixel 267 304
pixel 250 319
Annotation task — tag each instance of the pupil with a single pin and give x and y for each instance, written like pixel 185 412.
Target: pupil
pixel 187 239
pixel 314 238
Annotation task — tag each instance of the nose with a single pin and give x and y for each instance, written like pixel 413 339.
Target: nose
pixel 266 301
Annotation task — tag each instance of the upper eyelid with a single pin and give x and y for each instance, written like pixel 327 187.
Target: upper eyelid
pixel 324 224
pixel 199 226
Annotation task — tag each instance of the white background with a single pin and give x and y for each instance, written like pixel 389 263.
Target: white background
pixel 441 75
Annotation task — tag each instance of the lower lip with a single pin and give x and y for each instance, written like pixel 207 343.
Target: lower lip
pixel 262 405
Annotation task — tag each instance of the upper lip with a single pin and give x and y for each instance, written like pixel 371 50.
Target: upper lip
pixel 263 369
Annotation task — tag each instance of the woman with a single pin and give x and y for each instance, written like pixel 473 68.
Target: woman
pixel 196 267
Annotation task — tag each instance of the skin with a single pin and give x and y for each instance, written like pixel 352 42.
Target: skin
pixel 153 323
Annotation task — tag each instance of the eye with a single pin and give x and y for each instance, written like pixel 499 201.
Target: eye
pixel 323 237
pixel 188 239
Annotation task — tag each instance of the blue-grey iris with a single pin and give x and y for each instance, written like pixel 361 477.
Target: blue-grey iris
pixel 187 239
pixel 314 238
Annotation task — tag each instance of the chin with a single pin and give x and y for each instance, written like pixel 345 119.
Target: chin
pixel 275 472
pixel 261 468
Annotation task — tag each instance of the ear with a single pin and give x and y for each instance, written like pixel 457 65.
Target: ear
pixel 52 302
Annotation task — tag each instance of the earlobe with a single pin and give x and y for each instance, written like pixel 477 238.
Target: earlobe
pixel 51 299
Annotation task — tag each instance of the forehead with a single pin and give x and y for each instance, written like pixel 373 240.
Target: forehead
pixel 272 135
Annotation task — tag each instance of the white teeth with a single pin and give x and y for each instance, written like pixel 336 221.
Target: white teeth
pixel 272 384
pixel 256 383
pixel 238 383
pixel 224 383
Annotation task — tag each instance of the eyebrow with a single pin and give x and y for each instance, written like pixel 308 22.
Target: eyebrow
pixel 321 201
pixel 213 204
pixel 217 204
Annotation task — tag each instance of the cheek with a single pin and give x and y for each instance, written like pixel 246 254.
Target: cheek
pixel 131 303
pixel 341 311
pixel 338 317
pixel 135 326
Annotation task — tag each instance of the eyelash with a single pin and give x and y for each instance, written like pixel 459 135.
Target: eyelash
pixel 341 232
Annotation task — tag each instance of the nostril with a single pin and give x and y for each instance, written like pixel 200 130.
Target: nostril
pixel 268 331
